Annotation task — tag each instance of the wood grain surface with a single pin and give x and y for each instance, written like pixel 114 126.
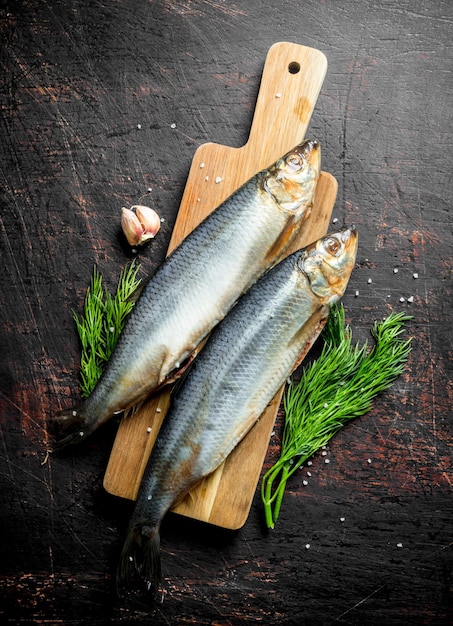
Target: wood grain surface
pixel 104 105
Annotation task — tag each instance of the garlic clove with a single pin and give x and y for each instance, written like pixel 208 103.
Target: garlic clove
pixel 141 225
pixel 149 219
pixel 131 226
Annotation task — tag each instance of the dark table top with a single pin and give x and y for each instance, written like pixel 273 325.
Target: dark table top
pixel 90 95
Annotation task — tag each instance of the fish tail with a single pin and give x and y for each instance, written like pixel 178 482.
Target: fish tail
pixel 72 426
pixel 139 562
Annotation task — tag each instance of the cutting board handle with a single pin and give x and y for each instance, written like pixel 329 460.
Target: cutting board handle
pixel 290 85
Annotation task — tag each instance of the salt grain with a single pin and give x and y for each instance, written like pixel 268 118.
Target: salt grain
pixel 218 180
pixel 308 473
pixel 173 125
pixel 368 461
pixel 369 281
pixel 139 126
pixel 402 299
pixel 202 165
pixel 158 410
pixel 399 545
pixel 335 220
pixel 148 430
pixel 307 546
pixel 415 275
pixel 395 270
pixel 410 299
pixel 305 483
pixel 324 453
pixel 326 460
pixel 310 463
pixel 356 293
pixel 278 95
pixel 342 519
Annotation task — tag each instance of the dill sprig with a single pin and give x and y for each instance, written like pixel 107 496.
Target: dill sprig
pixel 102 321
pixel 340 385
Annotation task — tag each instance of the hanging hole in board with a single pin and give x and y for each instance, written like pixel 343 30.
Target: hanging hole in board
pixel 294 67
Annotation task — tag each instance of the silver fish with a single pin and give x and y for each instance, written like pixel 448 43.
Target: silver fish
pixel 198 284
pixel 242 366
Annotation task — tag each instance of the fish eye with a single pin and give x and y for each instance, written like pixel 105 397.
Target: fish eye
pixel 294 162
pixel 333 245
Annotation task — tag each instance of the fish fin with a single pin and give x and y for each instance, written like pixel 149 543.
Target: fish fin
pixel 320 319
pixel 132 410
pixel 135 295
pixel 139 563
pixel 72 426
pixel 282 243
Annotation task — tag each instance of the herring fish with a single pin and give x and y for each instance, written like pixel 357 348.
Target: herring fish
pixel 198 284
pixel 243 364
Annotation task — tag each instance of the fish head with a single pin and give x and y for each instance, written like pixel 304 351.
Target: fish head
pixel 328 263
pixel 292 180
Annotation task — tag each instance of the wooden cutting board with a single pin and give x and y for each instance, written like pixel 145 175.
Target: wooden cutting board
pixel 290 84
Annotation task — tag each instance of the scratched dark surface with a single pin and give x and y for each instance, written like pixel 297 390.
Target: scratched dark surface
pixel 89 94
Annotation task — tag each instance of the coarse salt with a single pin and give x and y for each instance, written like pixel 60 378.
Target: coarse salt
pixel 410 299
pixel 305 483
pixel 202 165
pixel 415 275
pixel 356 293
pixel 173 125
pixel 218 180
pixel 326 460
pixel 369 281
pixel 342 519
pixel 307 546
pixel 402 299
pixel 148 430
pixel 395 270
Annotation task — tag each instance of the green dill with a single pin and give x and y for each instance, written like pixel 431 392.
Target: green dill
pixel 102 321
pixel 337 387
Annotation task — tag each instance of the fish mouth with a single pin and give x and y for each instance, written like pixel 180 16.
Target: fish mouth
pixel 310 151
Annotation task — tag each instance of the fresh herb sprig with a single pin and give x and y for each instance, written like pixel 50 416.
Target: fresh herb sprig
pixel 340 385
pixel 102 321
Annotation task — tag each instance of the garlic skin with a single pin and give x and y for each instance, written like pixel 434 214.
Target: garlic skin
pixel 141 225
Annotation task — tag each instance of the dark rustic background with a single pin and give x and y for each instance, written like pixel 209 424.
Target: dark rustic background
pixel 90 92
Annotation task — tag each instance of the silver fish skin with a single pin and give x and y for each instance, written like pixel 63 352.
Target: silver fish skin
pixel 198 284
pixel 243 364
